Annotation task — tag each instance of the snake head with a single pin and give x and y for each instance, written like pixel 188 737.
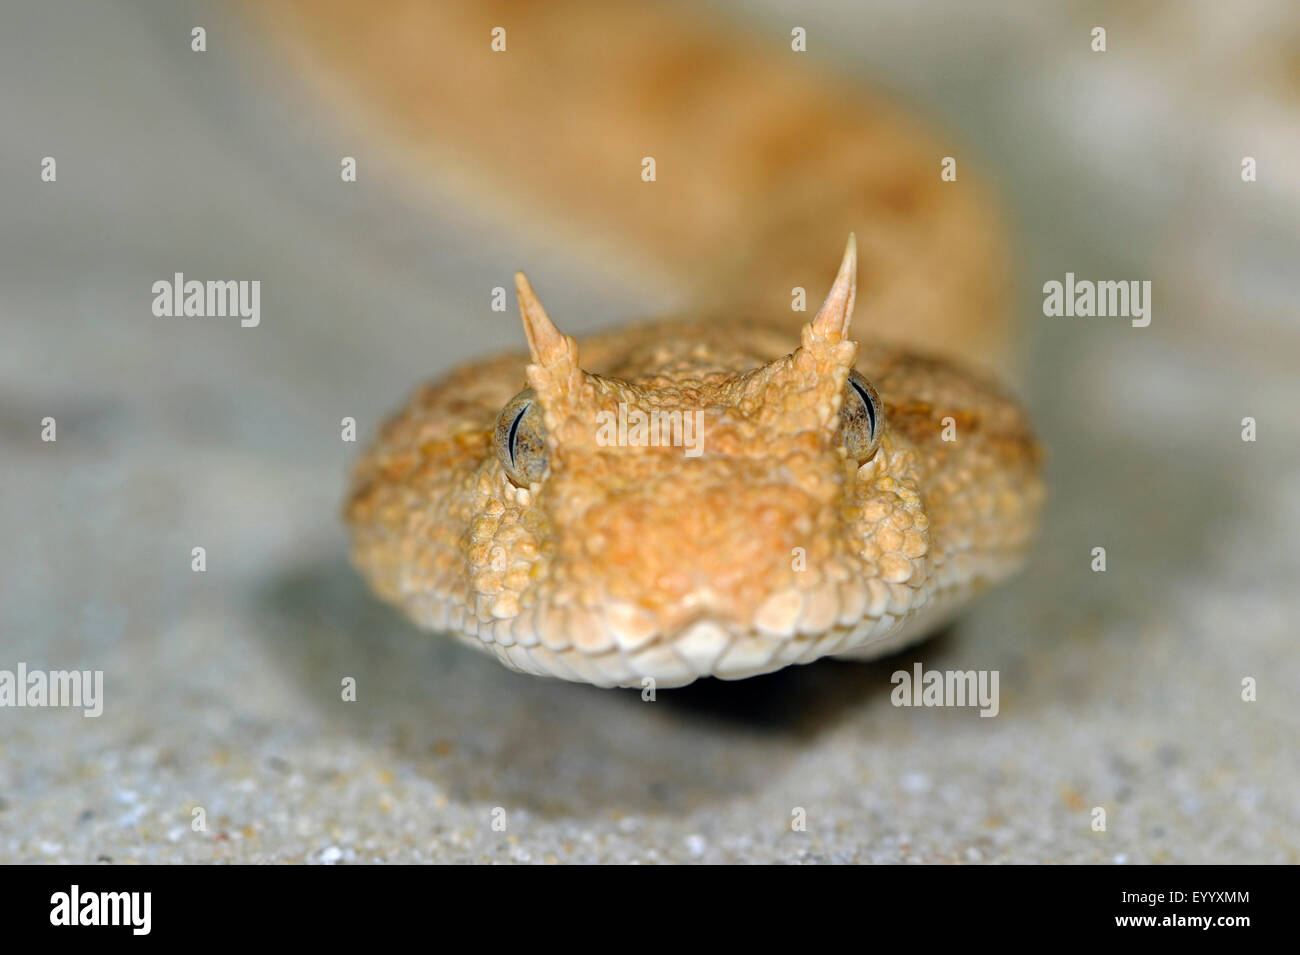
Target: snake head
pixel 694 498
pixel 693 521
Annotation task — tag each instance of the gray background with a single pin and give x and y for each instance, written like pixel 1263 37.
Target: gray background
pixel 1119 690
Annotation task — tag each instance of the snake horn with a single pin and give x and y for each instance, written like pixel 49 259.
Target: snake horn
pixel 832 321
pixel 546 343
pixel 554 373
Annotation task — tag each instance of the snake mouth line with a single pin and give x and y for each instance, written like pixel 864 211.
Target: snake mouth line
pixel 702 648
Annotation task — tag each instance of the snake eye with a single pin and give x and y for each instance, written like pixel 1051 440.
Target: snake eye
pixel 520 439
pixel 862 418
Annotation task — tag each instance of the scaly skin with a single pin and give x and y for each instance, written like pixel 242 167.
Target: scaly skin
pixel 771 547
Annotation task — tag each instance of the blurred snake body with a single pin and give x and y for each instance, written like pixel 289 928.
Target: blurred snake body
pixel 860 474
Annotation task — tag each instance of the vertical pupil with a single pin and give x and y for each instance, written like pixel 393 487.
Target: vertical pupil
pixel 866 400
pixel 514 429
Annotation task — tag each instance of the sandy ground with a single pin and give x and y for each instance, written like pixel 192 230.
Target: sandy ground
pixel 1119 690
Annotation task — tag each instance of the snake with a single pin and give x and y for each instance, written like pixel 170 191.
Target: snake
pixel 735 486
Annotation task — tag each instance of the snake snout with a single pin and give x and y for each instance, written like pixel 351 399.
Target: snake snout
pixel 707 551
